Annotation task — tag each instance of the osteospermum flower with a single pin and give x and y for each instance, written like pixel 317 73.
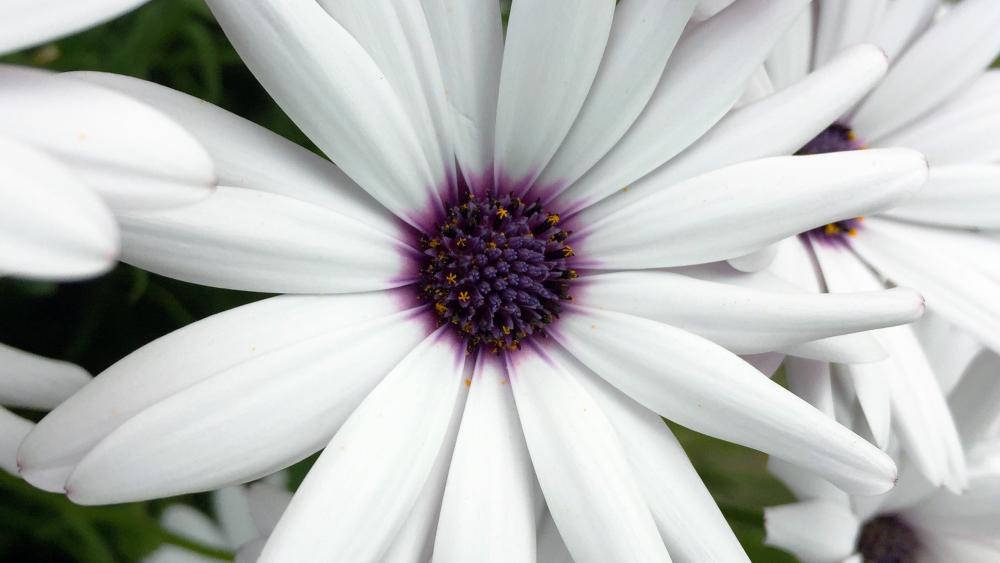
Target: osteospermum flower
pixel 477 324
pixel 937 97
pixel 917 521
pixel 26 23
pixel 30 382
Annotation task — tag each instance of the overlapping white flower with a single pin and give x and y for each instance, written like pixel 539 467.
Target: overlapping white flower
pixel 938 98
pixel 917 521
pixel 428 447
pixel 26 23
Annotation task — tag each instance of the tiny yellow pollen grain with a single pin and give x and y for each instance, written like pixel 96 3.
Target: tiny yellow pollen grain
pixel 501 213
pixel 468 382
pixel 451 278
pixel 461 242
pixel 434 243
pixel 463 296
pixel 567 251
pixel 831 229
pixel 553 219
pixel 505 330
pixel 440 308
pixel 852 233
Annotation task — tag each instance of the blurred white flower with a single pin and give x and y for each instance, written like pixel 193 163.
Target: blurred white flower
pixel 27 23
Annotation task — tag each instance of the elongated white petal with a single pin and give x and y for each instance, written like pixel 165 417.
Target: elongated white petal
pixel 250 156
pixel 954 287
pixel 949 349
pixel 844 23
pixel 34 382
pixel 134 156
pixel 397 37
pixel 945 58
pixel 52 227
pixel 581 465
pixel 791 58
pixel 326 82
pixel 810 379
pixel 805 485
pixel 903 380
pixel 26 23
pixel 293 400
pixel 468 37
pixel 972 513
pixel 552 54
pixel 414 541
pixel 257 241
pixel 736 210
pixel 964 130
pixel 182 359
pixel 267 503
pixel 705 76
pixel 777 125
pixel 846 348
pixel 956 196
pixel 690 523
pixel 974 400
pixel 816 530
pixel 488 512
pixel 373 471
pixel 700 385
pixel 231 506
pixel 742 319
pixel 902 23
pixel 13 429
pixel 642 37
pixel 551 547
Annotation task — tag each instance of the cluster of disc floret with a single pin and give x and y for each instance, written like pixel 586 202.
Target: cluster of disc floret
pixel 888 539
pixel 835 138
pixel 497 270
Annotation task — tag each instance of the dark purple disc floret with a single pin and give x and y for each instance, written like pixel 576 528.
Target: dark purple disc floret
pixel 497 269
pixel 888 539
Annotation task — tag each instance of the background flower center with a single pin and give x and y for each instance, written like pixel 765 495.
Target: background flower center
pixel 496 269
pixel 888 539
pixel 835 138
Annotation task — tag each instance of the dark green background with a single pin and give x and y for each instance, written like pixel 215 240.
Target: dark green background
pixel 178 44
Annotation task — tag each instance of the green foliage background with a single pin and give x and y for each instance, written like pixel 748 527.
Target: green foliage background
pixel 177 43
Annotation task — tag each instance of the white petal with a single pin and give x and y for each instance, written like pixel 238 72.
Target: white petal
pixel 643 35
pixel 488 512
pixel 902 22
pixel 249 156
pixel 946 57
pixel 847 348
pixel 844 23
pixel 689 521
pixel 705 76
pixel 700 385
pixel 581 465
pixel 742 319
pixel 817 530
pixel 736 210
pixel 333 90
pixel 949 349
pixel 373 471
pixel 469 41
pixel 290 403
pixel 231 506
pixel 551 548
pixel 956 196
pixel 953 287
pixel 414 541
pixel 397 37
pixel 767 363
pixel 552 54
pixel 779 124
pixel 805 485
pixel 134 156
pixel 34 382
pixel 791 59
pixel 974 401
pixel 257 241
pixel 52 227
pixel 184 358
pixel 13 429
pixel 962 131
pixel 267 504
pixel 755 261
pixel 810 379
pixel 26 23
pixel 972 513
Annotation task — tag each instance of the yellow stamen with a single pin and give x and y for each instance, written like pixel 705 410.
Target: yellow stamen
pixel 451 278
pixel 553 219
pixel 463 296
pixel 461 242
pixel 831 229
pixel 501 213
pixel 567 251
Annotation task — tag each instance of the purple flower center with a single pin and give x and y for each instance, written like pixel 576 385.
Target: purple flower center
pixel 497 269
pixel 835 138
pixel 888 539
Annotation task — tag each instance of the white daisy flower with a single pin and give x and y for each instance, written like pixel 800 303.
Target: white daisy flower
pixel 26 23
pixel 937 97
pixel 28 381
pixel 917 521
pixel 482 336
